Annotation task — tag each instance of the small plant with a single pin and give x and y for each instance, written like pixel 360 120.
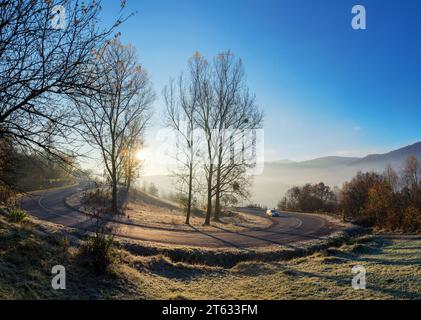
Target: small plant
pixel 17 215
pixel 100 247
pixel 64 243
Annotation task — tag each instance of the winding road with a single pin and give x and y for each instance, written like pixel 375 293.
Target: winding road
pixel 285 230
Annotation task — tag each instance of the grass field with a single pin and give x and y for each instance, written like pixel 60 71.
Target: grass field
pixel 27 255
pixel 145 209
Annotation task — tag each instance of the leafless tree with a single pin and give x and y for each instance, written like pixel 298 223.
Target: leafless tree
pixel 114 114
pixel 41 65
pixel 181 102
pixel 206 119
pixel 237 116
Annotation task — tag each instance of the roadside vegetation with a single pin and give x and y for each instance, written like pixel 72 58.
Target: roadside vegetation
pixel 27 254
pixel 387 201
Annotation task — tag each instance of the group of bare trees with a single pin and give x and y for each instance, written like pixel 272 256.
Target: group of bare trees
pixel 60 83
pixel 213 114
pixel 114 111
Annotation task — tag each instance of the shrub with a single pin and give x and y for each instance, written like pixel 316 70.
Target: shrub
pixel 64 243
pixel 100 196
pixel 17 215
pixel 100 248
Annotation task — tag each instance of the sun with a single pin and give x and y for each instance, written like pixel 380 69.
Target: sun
pixel 141 155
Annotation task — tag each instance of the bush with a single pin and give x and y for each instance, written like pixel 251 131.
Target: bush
pixel 64 243
pixel 100 248
pixel 17 215
pixel 98 197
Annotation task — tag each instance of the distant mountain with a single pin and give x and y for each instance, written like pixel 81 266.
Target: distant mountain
pixel 396 157
pixel 330 161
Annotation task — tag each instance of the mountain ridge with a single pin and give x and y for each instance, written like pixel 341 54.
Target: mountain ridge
pixel 393 156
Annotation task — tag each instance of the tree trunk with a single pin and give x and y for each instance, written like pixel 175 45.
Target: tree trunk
pixel 128 182
pixel 218 195
pixel 114 188
pixel 114 197
pixel 209 207
pixel 189 200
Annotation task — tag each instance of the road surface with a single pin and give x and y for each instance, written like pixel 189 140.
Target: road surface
pixel 287 229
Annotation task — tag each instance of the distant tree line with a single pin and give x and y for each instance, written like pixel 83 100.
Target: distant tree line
pixel 387 200
pixel 310 197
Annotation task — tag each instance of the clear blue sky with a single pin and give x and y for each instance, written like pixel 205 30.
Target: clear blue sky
pixel 326 89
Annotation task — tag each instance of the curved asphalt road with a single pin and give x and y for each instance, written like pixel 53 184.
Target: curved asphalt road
pixel 287 229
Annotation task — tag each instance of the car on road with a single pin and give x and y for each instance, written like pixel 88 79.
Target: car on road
pixel 273 213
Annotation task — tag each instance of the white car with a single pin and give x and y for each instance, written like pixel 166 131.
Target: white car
pixel 273 213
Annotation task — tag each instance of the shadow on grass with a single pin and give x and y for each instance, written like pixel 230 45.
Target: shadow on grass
pixel 346 281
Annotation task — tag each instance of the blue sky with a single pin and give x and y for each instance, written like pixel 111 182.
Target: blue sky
pixel 325 88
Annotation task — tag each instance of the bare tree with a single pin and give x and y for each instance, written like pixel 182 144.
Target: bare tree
pixel 41 64
pixel 206 120
pixel 181 102
pixel 237 116
pixel 114 114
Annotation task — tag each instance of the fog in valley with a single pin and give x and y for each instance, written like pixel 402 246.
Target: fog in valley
pixel 269 187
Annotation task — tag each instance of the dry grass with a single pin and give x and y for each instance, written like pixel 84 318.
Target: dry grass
pixel 27 256
pixel 146 210
pixel 174 219
pixel 393 272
